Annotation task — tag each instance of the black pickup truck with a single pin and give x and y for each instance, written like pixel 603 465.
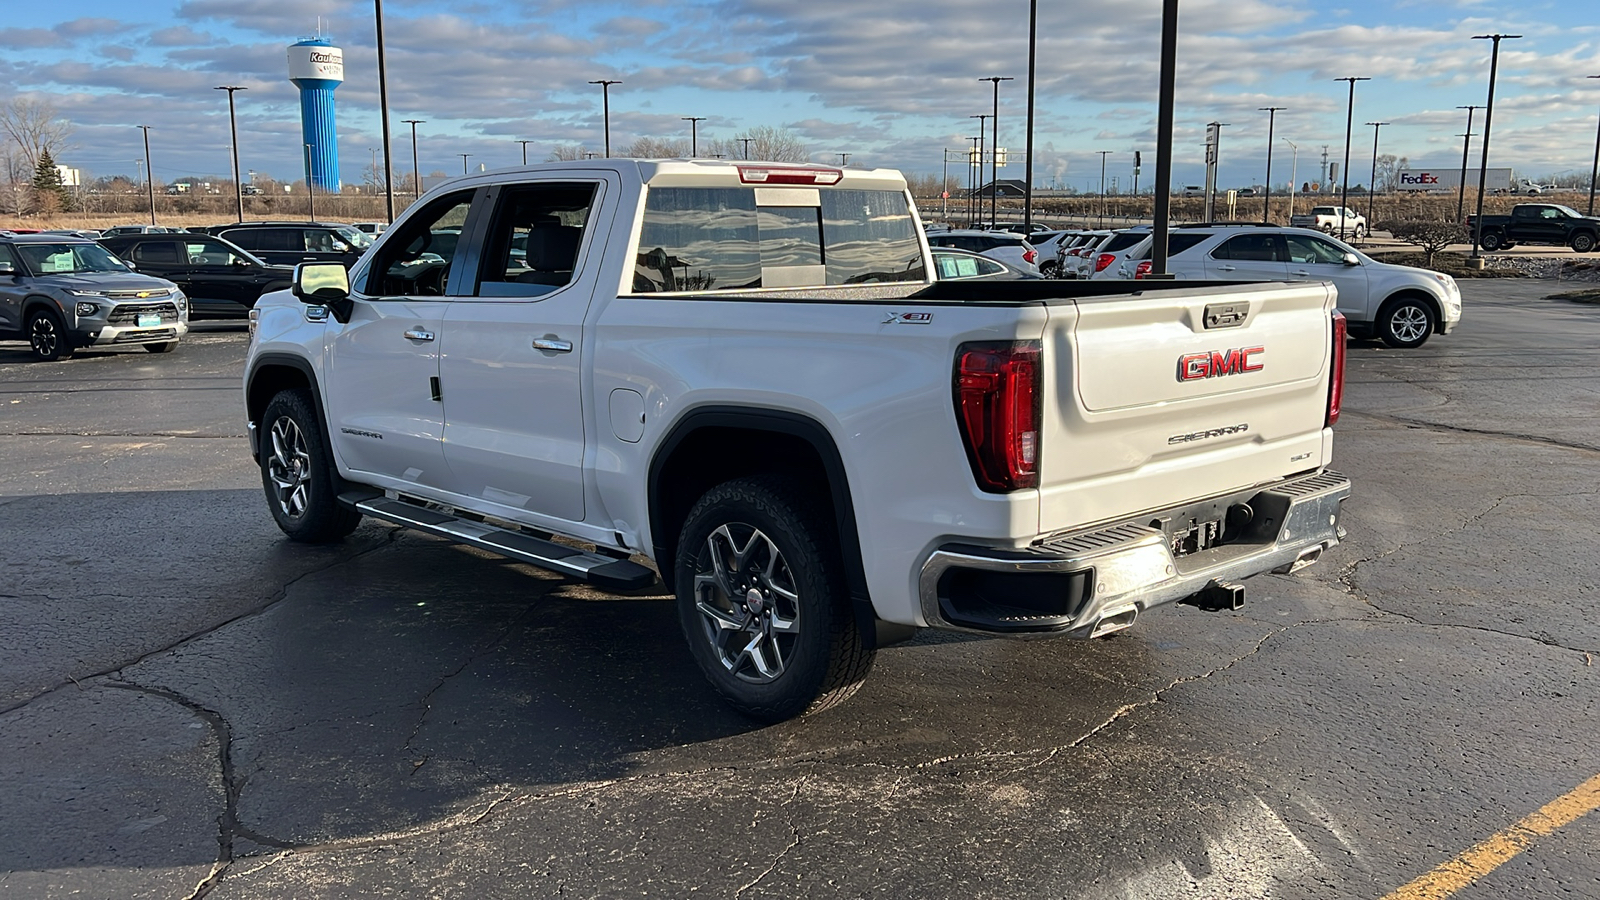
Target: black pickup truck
pixel 1538 223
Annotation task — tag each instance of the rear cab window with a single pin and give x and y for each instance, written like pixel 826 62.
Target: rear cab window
pixel 717 238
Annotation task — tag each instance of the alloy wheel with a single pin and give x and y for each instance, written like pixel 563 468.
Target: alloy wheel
pixel 1409 323
pixel 43 336
pixel 289 467
pixel 748 601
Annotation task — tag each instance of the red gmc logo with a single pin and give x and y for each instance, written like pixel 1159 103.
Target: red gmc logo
pixel 1218 363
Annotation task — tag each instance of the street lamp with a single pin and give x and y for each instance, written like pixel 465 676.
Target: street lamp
pixel 1372 186
pixel 1027 175
pixel 464 157
pixel 605 103
pixel 383 106
pixel 1294 173
pixel 1596 167
pixel 994 154
pixel 746 142
pixel 416 174
pixel 974 158
pixel 1488 117
pixel 149 173
pixel 694 140
pixel 1349 121
pixel 1266 200
pixel 844 160
pixel 524 151
pixel 1466 144
pixel 1103 155
pixel 311 188
pixel 233 129
pixel 1166 104
pixel 977 180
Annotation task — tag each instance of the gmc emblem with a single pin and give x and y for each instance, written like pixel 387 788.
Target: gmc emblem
pixel 1217 363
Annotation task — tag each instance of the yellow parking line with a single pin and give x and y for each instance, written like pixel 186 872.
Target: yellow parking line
pixel 1501 847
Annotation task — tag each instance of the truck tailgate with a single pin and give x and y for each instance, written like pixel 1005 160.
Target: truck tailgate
pixel 1157 399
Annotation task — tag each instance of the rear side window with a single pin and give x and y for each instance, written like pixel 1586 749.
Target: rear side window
pixel 1255 247
pixel 532 247
pixel 1124 241
pixel 249 240
pixel 155 252
pixel 709 239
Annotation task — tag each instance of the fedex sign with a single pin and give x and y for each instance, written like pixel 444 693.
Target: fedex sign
pixel 1418 179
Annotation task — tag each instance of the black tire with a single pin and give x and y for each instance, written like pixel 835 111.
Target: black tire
pixel 1491 241
pixel 297 473
pixel 162 347
pixel 1583 242
pixel 1405 323
pixel 1361 232
pixel 784 598
pixel 47 335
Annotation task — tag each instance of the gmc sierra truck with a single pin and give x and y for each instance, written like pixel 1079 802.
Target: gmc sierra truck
pixel 1538 223
pixel 742 376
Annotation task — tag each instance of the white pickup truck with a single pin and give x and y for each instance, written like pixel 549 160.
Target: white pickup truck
pixel 1333 220
pixel 742 374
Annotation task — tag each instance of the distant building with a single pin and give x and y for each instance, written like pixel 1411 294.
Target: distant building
pixel 1004 187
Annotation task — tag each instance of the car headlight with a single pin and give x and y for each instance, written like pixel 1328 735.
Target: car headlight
pixel 86 309
pixel 255 316
pixel 77 293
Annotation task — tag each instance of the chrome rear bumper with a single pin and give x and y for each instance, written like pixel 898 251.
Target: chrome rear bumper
pixel 1121 570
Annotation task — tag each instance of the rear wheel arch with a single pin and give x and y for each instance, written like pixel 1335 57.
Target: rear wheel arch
pixel 714 444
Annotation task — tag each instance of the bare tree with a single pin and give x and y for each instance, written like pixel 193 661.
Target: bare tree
pixel 773 144
pixel 34 127
pixel 655 148
pixel 1431 236
pixel 566 152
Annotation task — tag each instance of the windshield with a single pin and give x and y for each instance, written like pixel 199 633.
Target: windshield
pixel 1568 211
pixel 69 259
pixel 355 237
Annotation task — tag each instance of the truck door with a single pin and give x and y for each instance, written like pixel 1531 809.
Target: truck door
pixel 513 366
pixel 384 408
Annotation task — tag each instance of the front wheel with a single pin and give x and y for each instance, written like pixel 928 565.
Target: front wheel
pixel 1583 243
pixel 762 600
pixel 1491 242
pixel 1406 323
pixel 298 474
pixel 1361 232
pixel 47 335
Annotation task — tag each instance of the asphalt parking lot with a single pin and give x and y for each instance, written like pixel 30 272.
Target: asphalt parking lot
pixel 191 706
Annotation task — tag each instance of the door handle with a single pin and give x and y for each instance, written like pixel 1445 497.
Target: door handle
pixel 553 345
pixel 417 334
pixel 1225 268
pixel 1300 272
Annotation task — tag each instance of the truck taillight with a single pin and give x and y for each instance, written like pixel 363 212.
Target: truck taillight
pixel 1142 269
pixel 1341 333
pixel 1103 260
pixel 999 399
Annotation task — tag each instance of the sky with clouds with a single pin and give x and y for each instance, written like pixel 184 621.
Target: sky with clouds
pixel 892 82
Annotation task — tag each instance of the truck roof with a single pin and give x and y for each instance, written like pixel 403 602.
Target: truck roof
pixel 707 173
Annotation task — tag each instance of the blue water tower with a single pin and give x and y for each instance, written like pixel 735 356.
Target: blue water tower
pixel 316 67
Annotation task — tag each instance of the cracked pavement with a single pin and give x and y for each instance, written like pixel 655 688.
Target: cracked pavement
pixel 189 706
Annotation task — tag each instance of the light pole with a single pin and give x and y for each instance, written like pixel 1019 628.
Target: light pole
pixel 1372 186
pixel 1294 173
pixel 233 130
pixel 994 149
pixel 605 105
pixel 311 188
pixel 1596 167
pixel 977 181
pixel 1349 121
pixel 694 140
pixel 383 106
pixel 524 151
pixel 1266 200
pixel 844 160
pixel 944 187
pixel 149 173
pixel 974 158
pixel 416 174
pixel 1027 175
pixel 464 157
pixel 746 142
pixel 1488 117
pixel 374 152
pixel 1466 145
pixel 1164 113
pixel 1103 155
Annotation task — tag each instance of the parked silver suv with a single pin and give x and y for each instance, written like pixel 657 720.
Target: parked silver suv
pixel 61 293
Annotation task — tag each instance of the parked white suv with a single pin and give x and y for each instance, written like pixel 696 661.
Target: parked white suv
pixel 1007 246
pixel 1402 305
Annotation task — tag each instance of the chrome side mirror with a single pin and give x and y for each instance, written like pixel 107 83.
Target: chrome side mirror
pixel 323 284
pixel 7 268
pixel 1350 259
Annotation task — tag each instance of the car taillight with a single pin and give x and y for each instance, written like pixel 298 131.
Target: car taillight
pixel 1103 260
pixel 998 405
pixel 1341 333
pixel 1142 269
pixel 1029 255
